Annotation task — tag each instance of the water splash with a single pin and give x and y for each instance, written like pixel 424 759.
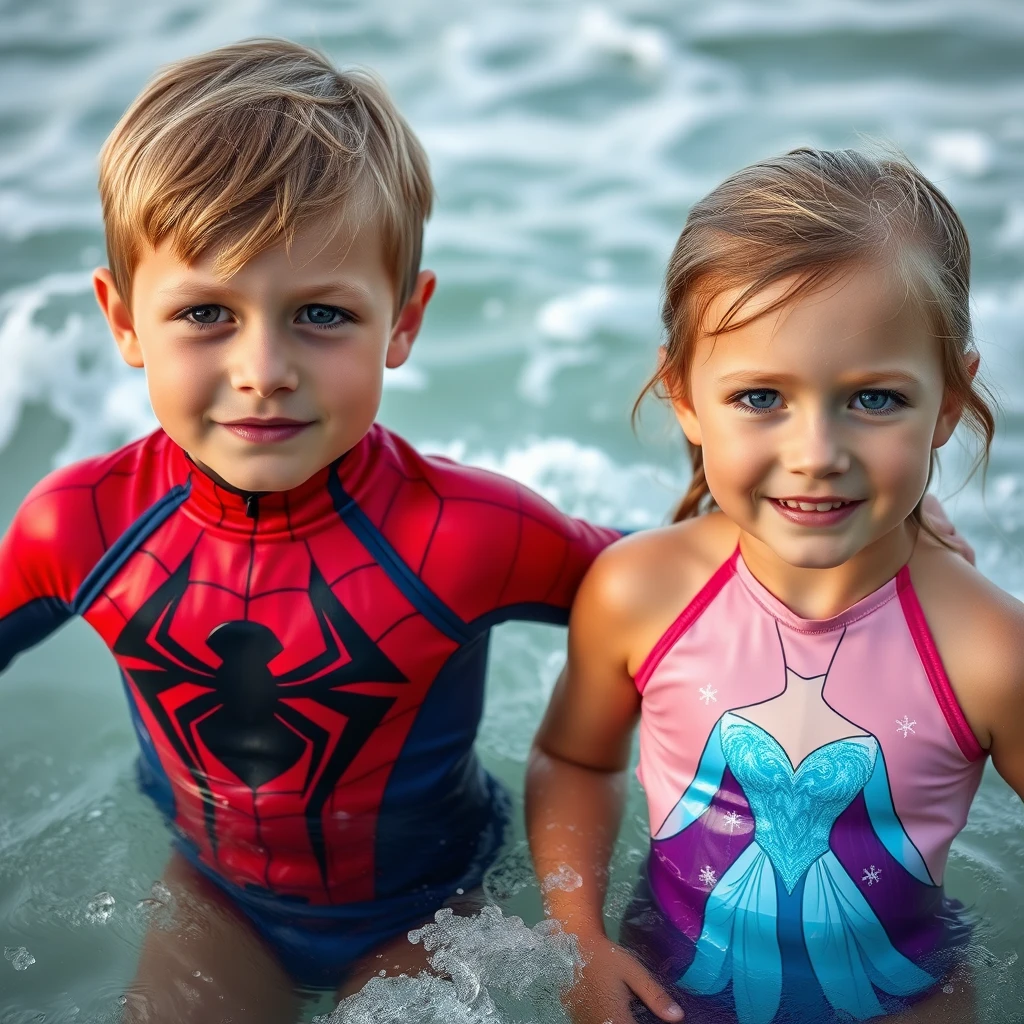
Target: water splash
pixel 100 908
pixel 21 959
pixel 565 878
pixel 494 969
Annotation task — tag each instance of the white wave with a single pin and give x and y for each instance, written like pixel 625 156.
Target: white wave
pixel 960 151
pixel 74 368
pixel 602 30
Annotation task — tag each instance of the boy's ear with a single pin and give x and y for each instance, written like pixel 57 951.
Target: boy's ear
pixel 118 315
pixel 681 404
pixel 952 408
pixel 410 320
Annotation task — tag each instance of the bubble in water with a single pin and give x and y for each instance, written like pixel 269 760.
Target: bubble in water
pixel 565 878
pixel 100 908
pixel 159 896
pixel 21 959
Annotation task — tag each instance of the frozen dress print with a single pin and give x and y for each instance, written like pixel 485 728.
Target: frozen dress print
pixel 794 885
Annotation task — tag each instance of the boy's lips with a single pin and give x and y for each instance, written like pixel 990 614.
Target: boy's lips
pixel 266 431
pixel 815 511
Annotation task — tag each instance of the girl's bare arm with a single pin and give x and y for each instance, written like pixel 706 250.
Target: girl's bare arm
pixel 576 784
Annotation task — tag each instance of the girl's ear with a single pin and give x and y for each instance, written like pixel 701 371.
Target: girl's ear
pixel 682 404
pixel 952 407
pixel 118 315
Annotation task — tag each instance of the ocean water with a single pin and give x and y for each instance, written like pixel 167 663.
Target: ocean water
pixel 567 141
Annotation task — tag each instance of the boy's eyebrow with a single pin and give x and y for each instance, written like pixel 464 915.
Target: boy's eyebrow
pixel 344 290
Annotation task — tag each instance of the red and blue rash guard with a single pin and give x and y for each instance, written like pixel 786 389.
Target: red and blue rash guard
pixel 304 669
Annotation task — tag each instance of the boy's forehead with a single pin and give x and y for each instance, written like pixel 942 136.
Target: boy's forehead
pixel 349 254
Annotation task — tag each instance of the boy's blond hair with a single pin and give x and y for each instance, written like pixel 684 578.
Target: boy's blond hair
pixel 231 151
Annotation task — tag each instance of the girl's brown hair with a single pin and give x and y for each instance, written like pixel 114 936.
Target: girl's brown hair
pixel 808 215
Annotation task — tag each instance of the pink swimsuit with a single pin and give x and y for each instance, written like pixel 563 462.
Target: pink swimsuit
pixel 793 892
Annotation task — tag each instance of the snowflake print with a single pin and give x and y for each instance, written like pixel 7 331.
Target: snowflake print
pixel 733 820
pixel 707 875
pixel 872 875
pixel 708 694
pixel 906 725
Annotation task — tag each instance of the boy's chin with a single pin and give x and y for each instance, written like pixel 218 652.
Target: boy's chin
pixel 263 473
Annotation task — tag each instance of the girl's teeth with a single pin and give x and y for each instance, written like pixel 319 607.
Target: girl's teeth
pixel 807 506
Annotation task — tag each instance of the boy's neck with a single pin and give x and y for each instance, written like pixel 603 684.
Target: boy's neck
pixel 823 593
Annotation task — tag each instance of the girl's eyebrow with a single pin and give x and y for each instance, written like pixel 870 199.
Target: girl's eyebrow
pixel 751 378
pixel 757 378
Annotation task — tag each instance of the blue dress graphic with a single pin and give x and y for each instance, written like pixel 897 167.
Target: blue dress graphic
pixel 787 888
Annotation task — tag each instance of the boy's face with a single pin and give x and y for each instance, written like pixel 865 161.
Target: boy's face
pixel 267 377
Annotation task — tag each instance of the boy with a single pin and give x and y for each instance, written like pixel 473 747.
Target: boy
pixel 299 603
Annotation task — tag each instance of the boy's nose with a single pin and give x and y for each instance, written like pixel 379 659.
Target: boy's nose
pixel 816 448
pixel 261 361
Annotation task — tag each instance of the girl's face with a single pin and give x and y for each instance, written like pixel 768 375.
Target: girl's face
pixel 817 421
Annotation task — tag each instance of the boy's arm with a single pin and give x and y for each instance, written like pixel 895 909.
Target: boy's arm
pixel 43 559
pixel 498 551
pixel 576 784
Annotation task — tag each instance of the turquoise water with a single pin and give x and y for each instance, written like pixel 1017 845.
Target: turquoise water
pixel 567 143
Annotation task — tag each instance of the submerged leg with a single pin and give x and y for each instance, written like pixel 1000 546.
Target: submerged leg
pixel 398 955
pixel 206 965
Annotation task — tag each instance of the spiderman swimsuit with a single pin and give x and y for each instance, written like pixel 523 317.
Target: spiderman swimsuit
pixel 304 669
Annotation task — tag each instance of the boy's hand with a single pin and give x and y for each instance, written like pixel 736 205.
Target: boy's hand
pixel 609 981
pixel 937 519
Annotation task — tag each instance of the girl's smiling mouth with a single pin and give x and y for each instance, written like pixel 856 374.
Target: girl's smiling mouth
pixel 815 511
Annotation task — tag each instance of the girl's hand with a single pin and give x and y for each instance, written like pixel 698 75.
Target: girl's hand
pixel 937 519
pixel 609 981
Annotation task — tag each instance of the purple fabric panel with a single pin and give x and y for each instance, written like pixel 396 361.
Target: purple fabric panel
pixel 913 914
pixel 713 842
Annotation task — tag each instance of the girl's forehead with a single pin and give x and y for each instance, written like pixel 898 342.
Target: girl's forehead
pixel 862 314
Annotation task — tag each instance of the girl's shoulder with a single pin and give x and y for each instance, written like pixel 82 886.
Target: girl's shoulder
pixel 639 585
pixel 978 630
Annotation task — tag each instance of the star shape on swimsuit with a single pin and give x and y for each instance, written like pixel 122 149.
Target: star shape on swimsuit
pixel 906 725
pixel 872 875
pixel 707 875
pixel 733 820
pixel 708 694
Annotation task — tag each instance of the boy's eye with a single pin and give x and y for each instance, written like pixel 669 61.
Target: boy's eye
pixel 760 400
pixel 878 401
pixel 324 316
pixel 204 315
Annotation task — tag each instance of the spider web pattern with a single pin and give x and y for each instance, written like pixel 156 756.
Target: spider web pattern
pixel 286 600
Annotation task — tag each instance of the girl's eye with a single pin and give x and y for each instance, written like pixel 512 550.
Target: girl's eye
pixel 324 316
pixel 762 400
pixel 205 316
pixel 878 401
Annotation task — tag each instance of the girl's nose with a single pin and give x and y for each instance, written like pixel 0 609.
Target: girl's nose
pixel 261 362
pixel 816 448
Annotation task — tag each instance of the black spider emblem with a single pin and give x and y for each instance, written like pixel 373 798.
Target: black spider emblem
pixel 243 718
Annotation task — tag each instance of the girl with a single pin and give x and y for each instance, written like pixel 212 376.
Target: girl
pixel 818 678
